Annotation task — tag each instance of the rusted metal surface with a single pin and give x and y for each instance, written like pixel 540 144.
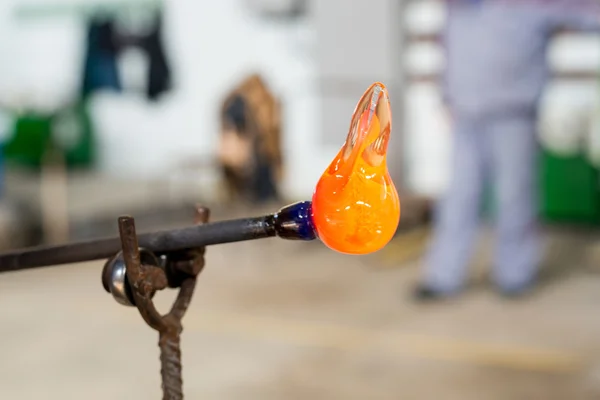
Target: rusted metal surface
pixel 180 270
pixel 170 360
pixel 139 266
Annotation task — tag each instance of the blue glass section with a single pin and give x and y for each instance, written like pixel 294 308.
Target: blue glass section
pixel 295 222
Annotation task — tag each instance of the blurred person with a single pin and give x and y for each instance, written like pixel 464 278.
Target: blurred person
pixel 496 71
pixel 250 150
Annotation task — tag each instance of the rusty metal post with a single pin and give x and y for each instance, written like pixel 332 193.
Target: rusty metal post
pixel 181 270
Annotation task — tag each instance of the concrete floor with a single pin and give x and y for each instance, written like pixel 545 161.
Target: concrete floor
pixel 281 320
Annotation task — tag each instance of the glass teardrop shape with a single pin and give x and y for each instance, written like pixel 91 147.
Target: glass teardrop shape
pixel 355 206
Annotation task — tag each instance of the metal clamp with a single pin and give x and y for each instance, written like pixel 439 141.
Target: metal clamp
pixel 134 275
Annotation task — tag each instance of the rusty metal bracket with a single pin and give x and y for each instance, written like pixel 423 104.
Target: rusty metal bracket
pixel 141 265
pixel 180 269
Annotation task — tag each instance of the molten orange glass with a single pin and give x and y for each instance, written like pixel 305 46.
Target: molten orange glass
pixel 355 206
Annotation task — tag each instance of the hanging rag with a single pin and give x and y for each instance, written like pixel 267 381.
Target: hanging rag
pixel 100 68
pixel 159 73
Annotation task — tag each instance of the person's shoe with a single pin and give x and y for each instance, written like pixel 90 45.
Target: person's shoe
pixel 423 294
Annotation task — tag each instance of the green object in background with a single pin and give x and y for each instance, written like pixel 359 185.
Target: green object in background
pixel 570 189
pixel 69 130
pixel 73 134
pixel 29 140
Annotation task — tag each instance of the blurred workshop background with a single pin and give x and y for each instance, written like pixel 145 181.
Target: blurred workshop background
pixel 146 107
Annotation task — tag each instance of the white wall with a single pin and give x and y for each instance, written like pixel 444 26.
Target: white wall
pixel 212 45
pixel 427 131
pixel 215 44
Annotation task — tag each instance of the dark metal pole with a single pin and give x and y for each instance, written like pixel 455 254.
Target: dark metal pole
pixel 158 242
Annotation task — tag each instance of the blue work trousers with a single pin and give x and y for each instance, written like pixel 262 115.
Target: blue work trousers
pixel 502 150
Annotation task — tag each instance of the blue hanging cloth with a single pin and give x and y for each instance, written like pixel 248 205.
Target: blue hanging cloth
pixel 100 69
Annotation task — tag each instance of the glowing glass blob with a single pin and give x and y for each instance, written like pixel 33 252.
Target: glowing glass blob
pixel 355 206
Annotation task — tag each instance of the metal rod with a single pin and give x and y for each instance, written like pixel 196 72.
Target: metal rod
pixel 159 242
